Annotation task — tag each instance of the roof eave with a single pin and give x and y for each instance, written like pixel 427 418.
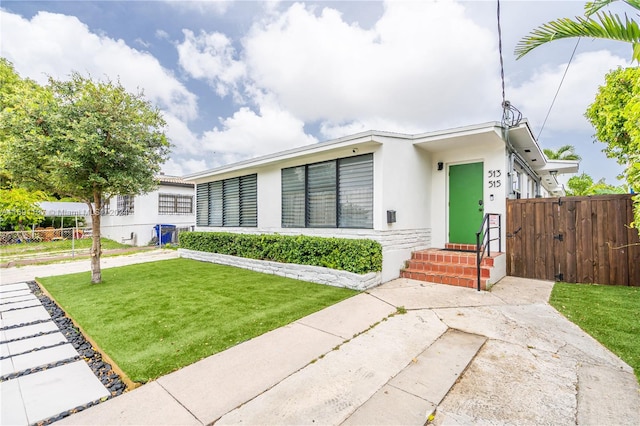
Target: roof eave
pixel 345 142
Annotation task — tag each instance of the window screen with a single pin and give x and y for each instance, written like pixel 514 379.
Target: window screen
pixel 336 193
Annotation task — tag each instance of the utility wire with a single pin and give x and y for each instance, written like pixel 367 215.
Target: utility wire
pixel 500 50
pixel 559 86
pixel 511 116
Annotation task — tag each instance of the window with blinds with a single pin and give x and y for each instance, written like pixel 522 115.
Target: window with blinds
pixel 321 195
pixel 355 209
pixel 293 197
pixel 336 193
pixel 228 202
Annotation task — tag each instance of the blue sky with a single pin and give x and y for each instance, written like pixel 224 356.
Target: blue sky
pixel 239 79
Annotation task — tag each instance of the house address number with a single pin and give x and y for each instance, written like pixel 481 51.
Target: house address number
pixel 494 178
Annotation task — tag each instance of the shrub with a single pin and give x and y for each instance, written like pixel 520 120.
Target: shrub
pixel 358 256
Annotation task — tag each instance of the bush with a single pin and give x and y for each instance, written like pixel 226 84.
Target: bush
pixel 358 256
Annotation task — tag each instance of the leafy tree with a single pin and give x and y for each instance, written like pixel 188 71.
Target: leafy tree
pixel 604 25
pixel 80 138
pixel 583 184
pixel 565 152
pixel 615 114
pixel 19 207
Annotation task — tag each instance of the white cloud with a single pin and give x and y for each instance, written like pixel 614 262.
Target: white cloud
pixel 211 56
pixel 55 45
pixel 218 7
pixel 410 73
pixel 161 35
pixel 180 166
pixel 419 66
pixel 422 65
pixel 584 76
pixel 250 134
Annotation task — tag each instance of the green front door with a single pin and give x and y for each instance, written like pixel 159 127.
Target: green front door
pixel 465 202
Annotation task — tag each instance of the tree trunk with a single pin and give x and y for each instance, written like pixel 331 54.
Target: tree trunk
pixel 96 247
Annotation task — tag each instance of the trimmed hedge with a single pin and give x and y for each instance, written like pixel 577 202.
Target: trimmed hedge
pixel 358 256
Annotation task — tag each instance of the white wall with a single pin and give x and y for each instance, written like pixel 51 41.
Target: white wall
pixel 145 216
pixel 402 183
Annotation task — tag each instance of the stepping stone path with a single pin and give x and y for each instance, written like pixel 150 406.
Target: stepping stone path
pixel 47 369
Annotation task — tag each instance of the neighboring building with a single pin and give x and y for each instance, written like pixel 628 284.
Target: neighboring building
pixel 408 192
pixel 134 219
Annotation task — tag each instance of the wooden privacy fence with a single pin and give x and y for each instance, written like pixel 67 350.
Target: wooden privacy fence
pixel 574 239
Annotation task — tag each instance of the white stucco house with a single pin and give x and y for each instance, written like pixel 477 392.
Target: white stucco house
pixel 135 219
pixel 409 192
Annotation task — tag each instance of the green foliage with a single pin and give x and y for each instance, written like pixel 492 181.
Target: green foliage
pixel 565 152
pixel 62 222
pixel 615 114
pixel 79 138
pixel 82 138
pixel 358 256
pixel 156 317
pixel 611 314
pixel 607 26
pixel 19 208
pixel 583 184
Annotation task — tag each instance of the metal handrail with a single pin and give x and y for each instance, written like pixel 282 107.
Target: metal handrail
pixel 485 245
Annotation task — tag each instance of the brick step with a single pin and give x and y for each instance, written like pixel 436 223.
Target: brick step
pixel 444 278
pixel 460 247
pixel 453 257
pixel 449 268
pixel 446 266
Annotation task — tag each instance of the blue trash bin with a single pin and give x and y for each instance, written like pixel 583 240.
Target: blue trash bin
pixel 164 233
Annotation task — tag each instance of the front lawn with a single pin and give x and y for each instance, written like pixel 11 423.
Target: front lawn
pixel 153 318
pixel 611 314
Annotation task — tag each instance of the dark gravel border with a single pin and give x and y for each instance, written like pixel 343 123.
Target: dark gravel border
pixel 100 368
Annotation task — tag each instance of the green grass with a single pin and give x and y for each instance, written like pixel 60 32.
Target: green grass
pixel 34 248
pixel 611 314
pixel 153 318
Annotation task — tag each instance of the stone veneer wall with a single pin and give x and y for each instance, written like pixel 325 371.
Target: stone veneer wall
pixel 315 274
pixel 397 246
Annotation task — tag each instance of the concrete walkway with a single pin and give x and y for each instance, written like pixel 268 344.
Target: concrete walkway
pixel 41 374
pixel 499 357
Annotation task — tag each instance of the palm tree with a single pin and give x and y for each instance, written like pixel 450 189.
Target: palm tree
pixel 606 26
pixel 565 152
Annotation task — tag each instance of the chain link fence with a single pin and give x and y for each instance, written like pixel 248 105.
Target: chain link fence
pixel 18 247
pixel 44 244
pixel 43 235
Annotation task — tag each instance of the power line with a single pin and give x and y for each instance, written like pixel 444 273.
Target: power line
pixel 511 116
pixel 559 86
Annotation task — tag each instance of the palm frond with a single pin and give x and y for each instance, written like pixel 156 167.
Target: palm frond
pixel 606 26
pixel 633 3
pixel 591 7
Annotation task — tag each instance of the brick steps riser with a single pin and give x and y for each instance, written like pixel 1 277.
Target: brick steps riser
pixel 453 269
pixel 434 277
pixel 455 259
pixel 448 267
